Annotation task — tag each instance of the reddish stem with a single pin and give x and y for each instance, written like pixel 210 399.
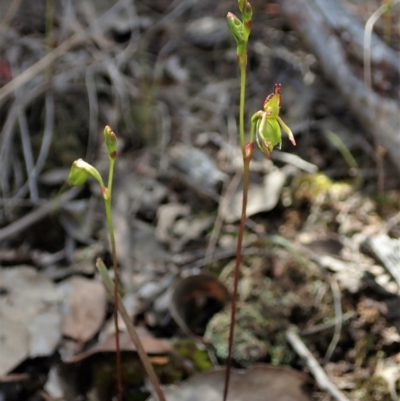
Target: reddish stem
pixel 116 301
pixel 246 171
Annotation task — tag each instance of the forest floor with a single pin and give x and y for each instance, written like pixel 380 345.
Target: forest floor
pixel 321 252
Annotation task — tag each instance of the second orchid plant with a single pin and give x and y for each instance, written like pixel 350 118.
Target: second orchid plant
pixel 266 126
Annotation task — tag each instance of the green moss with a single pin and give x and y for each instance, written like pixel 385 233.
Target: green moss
pixel 188 349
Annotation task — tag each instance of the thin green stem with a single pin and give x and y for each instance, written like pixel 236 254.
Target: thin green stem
pixel 107 201
pixel 242 64
pixel 131 331
pixel 110 179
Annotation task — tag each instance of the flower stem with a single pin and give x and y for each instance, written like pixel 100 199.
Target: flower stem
pixel 242 62
pixel 107 201
pixel 132 332
pixel 246 172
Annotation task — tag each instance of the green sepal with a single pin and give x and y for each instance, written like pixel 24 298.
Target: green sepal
pixel 272 103
pixel 287 130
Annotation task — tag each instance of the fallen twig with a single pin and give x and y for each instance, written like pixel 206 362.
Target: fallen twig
pixel 319 374
pixel 38 214
pixel 35 69
pixel 326 326
pixel 329 29
pixel 338 320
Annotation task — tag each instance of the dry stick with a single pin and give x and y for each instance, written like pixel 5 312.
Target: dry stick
pixel 326 326
pixel 131 331
pixel 47 134
pixel 38 214
pixel 10 14
pixel 165 123
pixel 369 26
pixel 315 368
pixel 28 155
pixel 93 115
pixel 338 320
pixel 368 81
pixel 47 60
pixel 36 68
pixel 34 172
pixel 110 63
pixel 6 139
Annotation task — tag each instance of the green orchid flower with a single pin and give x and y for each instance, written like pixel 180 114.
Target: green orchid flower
pixel 268 124
pixel 81 171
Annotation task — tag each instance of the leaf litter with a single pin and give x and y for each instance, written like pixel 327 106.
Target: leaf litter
pixel 30 309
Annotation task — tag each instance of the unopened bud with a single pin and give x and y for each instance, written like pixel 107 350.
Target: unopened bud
pixel 236 27
pixel 111 141
pixel 241 4
pixel 247 13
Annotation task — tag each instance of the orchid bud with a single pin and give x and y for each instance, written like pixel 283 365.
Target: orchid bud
pixel 242 4
pixel 247 14
pixel 236 27
pixel 111 141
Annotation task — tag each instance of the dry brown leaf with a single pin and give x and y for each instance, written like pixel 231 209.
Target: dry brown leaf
pixel 29 315
pixel 85 308
pixel 14 344
pixel 263 197
pixel 151 345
